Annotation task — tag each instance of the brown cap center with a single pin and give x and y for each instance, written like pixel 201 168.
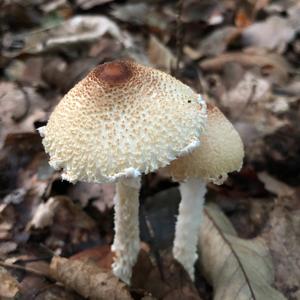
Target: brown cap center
pixel 113 72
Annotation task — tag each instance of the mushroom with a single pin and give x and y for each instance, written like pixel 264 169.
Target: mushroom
pixel 221 152
pixel 123 119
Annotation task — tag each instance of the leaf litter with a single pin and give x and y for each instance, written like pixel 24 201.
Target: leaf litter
pixel 244 57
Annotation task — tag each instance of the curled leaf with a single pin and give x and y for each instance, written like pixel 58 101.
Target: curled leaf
pixel 87 279
pixel 237 268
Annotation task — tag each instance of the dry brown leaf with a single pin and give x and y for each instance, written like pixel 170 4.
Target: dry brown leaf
pixel 88 4
pixel 9 286
pixel 160 56
pixel 87 279
pixel 282 234
pixel 76 30
pixel 238 269
pixel 19 108
pixel 273 34
pixel 275 186
pixel 272 63
pixel 217 42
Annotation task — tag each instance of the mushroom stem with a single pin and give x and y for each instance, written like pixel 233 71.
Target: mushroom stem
pixel 126 243
pixel 188 223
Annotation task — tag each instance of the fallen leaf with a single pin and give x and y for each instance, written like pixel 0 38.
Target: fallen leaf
pixel 20 107
pixel 273 63
pixel 88 279
pixel 9 286
pixel 76 30
pixel 44 214
pixel 7 247
pixel 282 234
pixel 217 42
pixel 238 269
pixel 160 56
pixel 273 34
pixel 275 186
pixel 88 4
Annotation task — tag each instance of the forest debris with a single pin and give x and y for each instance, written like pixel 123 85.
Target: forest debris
pixel 282 234
pixel 46 211
pixel 88 279
pixel 250 89
pixel 100 195
pixel 273 34
pixel 274 62
pixel 44 214
pixel 217 42
pixel 19 108
pixel 175 285
pixel 160 56
pixel 9 286
pixel 237 268
pixel 36 287
pixel 76 30
pixel 15 197
pixel 7 247
pixel 275 186
pixel 88 4
pixel 81 29
pixel 208 11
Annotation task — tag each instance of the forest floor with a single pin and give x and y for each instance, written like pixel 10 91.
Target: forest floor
pixel 243 56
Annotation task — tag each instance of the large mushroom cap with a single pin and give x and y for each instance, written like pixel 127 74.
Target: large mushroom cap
pixel 122 119
pixel 221 151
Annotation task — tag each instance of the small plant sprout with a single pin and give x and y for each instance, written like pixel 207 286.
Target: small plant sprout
pixel 123 119
pixel 221 152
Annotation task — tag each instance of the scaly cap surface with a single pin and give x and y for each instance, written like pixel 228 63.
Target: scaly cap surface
pixel 121 120
pixel 221 151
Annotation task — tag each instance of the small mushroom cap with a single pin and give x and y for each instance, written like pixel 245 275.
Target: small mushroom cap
pixel 221 151
pixel 121 120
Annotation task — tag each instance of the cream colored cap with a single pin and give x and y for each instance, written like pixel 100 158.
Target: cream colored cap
pixel 121 120
pixel 221 151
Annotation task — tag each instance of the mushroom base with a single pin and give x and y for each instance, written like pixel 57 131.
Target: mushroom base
pixel 188 223
pixel 126 243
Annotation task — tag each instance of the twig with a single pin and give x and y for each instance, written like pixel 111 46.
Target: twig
pixel 179 36
pixel 26 269
pixel 151 240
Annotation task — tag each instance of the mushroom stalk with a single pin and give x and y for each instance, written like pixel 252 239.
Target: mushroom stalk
pixel 188 223
pixel 126 243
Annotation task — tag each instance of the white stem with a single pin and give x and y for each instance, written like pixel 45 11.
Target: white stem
pixel 126 243
pixel 188 223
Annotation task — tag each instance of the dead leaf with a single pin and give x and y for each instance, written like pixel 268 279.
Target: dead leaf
pixel 76 30
pixel 140 14
pixel 88 4
pixel 238 269
pixel 46 211
pixel 88 279
pixel 7 247
pixel 20 107
pixel 160 56
pixel 9 286
pixel 272 63
pixel 282 234
pixel 44 214
pixel 273 34
pixel 101 195
pixel 217 42
pixel 275 186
